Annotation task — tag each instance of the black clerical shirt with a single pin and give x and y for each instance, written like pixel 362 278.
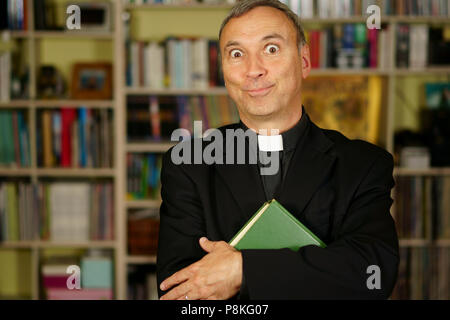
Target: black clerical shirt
pixel 272 184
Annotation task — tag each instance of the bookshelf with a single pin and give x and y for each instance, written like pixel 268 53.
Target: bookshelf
pixel 118 173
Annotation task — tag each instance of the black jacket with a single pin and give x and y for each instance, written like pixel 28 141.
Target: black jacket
pixel 339 188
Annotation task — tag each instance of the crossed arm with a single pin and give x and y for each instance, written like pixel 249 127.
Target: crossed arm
pixel 214 270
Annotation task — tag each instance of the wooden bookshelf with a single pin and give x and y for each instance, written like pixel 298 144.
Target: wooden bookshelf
pixel 118 174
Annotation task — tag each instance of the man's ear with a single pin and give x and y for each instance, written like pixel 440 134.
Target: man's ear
pixel 306 61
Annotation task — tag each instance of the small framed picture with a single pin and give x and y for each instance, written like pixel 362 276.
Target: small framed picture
pixel 92 81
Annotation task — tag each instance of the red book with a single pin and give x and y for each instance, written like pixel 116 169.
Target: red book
pixel 56 281
pixel 373 48
pixel 81 294
pixel 213 55
pixel 315 49
pixel 67 118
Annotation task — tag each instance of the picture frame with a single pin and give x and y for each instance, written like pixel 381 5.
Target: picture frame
pixel 95 17
pixel 92 81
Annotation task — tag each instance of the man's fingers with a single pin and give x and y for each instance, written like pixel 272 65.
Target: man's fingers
pixel 178 293
pixel 175 279
pixel 207 245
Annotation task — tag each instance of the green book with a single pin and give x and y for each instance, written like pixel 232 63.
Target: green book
pixel 273 227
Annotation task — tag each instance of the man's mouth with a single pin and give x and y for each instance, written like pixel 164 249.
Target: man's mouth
pixel 260 92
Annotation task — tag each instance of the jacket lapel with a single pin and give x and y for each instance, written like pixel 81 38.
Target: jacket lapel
pixel 244 183
pixel 308 168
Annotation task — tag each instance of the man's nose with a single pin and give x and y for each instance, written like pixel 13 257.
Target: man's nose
pixel 255 68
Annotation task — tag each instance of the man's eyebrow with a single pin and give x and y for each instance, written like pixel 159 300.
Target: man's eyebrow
pixel 265 38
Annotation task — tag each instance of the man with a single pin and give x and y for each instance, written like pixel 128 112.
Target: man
pixel 339 188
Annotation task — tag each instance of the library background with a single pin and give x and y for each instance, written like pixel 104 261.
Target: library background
pixel 85 116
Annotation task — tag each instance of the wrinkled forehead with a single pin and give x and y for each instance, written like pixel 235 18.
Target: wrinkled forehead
pixel 256 25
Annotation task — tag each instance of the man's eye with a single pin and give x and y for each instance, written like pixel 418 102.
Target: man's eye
pixel 271 48
pixel 236 53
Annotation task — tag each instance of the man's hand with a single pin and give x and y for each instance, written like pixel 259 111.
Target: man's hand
pixel 218 275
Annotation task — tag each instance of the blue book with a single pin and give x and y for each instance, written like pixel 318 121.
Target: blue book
pixel 96 272
pixel 348 37
pixel 82 120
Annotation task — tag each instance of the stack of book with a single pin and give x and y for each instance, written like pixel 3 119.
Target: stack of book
pixel 155 118
pixel 142 283
pixel 349 46
pixel 95 279
pixel 56 211
pixel 422 207
pixel 14 14
pixel 143 176
pixel 75 138
pixel 14 139
pixel 142 232
pixel 350 8
pixel 177 63
pixel 423 274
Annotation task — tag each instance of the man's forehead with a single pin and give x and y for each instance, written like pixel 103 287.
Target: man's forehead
pixel 258 24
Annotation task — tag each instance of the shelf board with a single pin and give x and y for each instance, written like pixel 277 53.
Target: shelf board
pixel 192 6
pixel 168 91
pixel 15 172
pixel 414 242
pixel 50 244
pixel 17 34
pixel 141 259
pixel 157 147
pixel 443 242
pixel 73 35
pixel 444 171
pixel 15 103
pixel 340 72
pixel 74 103
pixel 445 70
pixel 75 172
pixel 143 204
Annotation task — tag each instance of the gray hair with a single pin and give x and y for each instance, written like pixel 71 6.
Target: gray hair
pixel 244 6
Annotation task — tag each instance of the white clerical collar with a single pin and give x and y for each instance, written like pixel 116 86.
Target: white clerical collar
pixel 270 143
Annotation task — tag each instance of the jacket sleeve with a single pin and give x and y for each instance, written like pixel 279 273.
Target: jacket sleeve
pixel 366 237
pixel 181 221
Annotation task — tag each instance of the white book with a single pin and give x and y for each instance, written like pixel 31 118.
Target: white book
pixel 307 9
pixel 186 47
pixel 171 62
pixel 200 64
pixel 296 7
pixel 134 64
pixel 155 56
pixel 146 66
pixel 70 211
pixel 324 8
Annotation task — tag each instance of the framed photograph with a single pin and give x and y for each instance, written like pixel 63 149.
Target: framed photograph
pixel 92 81
pixel 95 16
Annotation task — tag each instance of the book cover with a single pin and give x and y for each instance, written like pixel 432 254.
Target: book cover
pixel 273 227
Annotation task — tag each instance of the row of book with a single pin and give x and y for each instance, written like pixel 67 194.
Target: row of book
pixel 178 2
pixel 422 207
pixel 143 231
pixel 56 211
pixel 13 15
pixel 142 284
pixel 178 63
pixel 349 46
pixel 143 176
pixel 14 139
pixel 424 274
pixel 151 118
pixel 94 282
pixel 78 138
pixel 351 8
